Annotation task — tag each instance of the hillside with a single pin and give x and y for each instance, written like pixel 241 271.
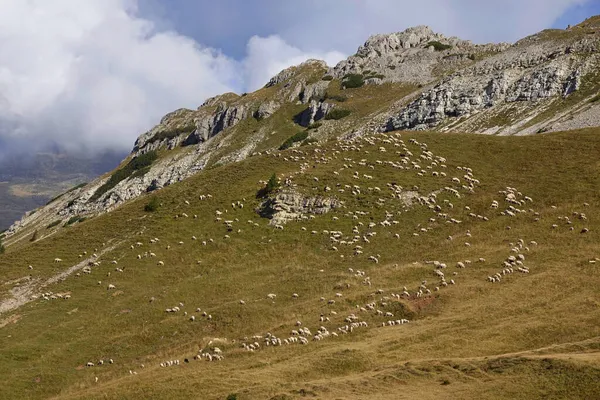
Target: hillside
pixel 474 338
pixel 302 241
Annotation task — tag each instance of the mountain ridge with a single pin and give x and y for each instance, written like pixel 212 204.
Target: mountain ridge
pixel 415 79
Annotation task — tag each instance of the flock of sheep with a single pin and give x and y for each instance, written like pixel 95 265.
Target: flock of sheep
pixel 367 226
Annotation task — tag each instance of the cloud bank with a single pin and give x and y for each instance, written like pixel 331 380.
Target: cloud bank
pixel 95 74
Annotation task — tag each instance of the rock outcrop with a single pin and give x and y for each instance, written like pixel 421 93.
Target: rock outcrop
pixel 290 205
pixel 528 72
pixel 315 112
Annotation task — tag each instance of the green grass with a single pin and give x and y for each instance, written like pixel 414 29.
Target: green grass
pixel 464 334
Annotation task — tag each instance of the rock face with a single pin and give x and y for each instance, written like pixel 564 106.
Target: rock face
pixel 528 72
pixel 314 112
pixel 410 56
pixel 290 205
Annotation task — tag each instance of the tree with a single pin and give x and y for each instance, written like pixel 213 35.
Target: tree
pixel 270 187
pixel 272 184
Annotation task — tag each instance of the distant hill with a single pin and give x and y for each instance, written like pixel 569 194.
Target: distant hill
pixel 30 181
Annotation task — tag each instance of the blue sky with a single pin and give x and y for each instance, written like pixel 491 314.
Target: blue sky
pixel 229 24
pixel 96 74
pixel 577 13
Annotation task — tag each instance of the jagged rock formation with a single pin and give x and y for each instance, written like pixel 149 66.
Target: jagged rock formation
pixel 529 71
pixel 417 55
pixel 289 205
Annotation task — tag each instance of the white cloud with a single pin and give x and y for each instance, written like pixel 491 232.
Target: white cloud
pixel 92 73
pixel 267 56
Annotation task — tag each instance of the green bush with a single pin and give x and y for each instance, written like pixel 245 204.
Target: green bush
pixel 137 167
pixel 438 46
pixel 232 396
pixel 336 97
pixel 314 125
pixel 72 220
pixel 298 137
pixel 152 205
pixel 353 81
pixel 327 78
pixel 55 223
pixel 337 113
pixel 172 133
pixel 271 186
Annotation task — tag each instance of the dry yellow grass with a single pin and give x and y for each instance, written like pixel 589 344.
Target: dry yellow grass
pixel 533 335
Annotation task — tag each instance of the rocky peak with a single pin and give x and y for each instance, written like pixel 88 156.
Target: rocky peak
pixel 417 55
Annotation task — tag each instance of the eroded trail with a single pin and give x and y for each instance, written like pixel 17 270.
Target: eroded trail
pixel 33 288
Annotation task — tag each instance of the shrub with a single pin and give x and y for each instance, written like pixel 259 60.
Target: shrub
pixel 72 220
pixel 232 396
pixel 336 97
pixel 55 223
pixel 1 246
pixel 271 186
pixel 137 167
pixel 172 133
pixel 337 113
pixel 298 137
pixel 438 46
pixel 152 205
pixel 314 125
pixel 353 81
pixel 327 78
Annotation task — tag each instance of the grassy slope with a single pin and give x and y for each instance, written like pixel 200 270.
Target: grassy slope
pixel 465 335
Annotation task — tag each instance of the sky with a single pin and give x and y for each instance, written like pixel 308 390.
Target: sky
pixel 93 75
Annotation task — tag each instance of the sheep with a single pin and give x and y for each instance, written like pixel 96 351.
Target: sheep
pixel 110 286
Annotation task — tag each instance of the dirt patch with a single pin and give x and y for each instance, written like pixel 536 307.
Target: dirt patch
pixel 10 320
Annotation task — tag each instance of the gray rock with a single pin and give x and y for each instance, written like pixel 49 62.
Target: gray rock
pixel 314 112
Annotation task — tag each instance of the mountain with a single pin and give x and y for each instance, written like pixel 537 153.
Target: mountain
pixel 416 221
